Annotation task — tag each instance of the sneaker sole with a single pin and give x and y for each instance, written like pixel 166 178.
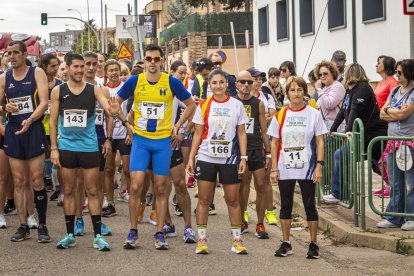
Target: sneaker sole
pixel 129 246
pixel 20 240
pixel 152 222
pixel 161 247
pixel 101 249
pixel 70 245
pixel 79 234
pixel 202 252
pixel 212 213
pixel 122 200
pixel 171 235
pixel 290 252
pixel 179 214
pixel 233 249
pixel 312 257
pixel 189 240
pixel 4 226
pixel 261 237
pixel 44 241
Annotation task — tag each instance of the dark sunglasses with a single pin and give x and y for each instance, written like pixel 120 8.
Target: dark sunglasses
pixel 151 59
pixel 323 74
pixel 283 70
pixel 244 81
pixel 217 63
pixel 398 72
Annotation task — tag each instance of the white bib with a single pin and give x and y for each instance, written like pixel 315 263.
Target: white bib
pixel 24 104
pixel 74 118
pixel 295 155
pixel 99 117
pixel 152 110
pixel 250 126
pixel 219 148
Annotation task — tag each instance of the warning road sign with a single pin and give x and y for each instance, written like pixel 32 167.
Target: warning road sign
pixel 124 52
pixel 409 7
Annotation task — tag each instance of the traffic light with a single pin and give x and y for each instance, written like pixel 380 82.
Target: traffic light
pixel 43 17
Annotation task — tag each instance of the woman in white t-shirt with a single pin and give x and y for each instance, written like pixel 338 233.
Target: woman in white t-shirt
pixel 297 156
pixel 220 141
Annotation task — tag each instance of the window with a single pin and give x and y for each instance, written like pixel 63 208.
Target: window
pixel 263 25
pixel 282 20
pixel 307 25
pixel 373 10
pixel 336 14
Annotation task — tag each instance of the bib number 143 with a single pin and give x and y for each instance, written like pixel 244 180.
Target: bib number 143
pixel 75 118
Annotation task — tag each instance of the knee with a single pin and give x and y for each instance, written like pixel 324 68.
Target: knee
pixel 134 189
pixel 92 192
pixel 160 190
pixel 232 202
pixel 69 191
pixel 126 171
pixel 203 200
pixel 180 189
pixel 109 170
pixel 311 214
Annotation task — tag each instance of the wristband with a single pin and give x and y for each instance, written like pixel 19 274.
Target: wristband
pixel 321 162
pixel 53 149
pixel 268 156
pixel 274 170
pixel 243 157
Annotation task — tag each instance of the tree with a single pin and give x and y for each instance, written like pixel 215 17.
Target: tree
pixel 77 46
pixel 229 4
pixel 177 10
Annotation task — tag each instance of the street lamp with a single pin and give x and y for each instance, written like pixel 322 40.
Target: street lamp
pixel 81 29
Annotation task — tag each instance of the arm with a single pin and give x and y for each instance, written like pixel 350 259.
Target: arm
pixel 317 174
pixel 338 120
pixel 198 132
pixel 2 94
pixel 274 173
pixel 54 114
pixel 403 113
pixel 107 146
pixel 263 127
pixel 241 135
pixel 384 115
pixel 2 126
pixel 332 97
pixel 270 115
pixel 188 112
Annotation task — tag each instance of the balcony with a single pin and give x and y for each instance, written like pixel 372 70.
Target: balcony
pixel 153 6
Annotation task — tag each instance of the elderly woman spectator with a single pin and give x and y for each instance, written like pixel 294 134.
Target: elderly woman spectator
pixel 398 110
pixel 330 92
pixel 359 103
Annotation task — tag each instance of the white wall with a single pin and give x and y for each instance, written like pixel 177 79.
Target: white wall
pixel 390 37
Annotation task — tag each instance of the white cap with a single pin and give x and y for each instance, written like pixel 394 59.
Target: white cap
pixel 50 51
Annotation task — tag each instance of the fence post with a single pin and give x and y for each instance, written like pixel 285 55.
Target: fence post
pixel 358 128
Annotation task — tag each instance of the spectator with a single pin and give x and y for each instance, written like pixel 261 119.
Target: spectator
pixel 312 80
pixel 189 79
pixel 359 103
pixel 386 69
pixel 330 92
pixel 272 87
pixel 125 72
pixel 138 68
pixel 339 58
pixel 200 88
pixel 399 112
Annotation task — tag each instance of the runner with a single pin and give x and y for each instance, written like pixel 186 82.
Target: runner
pixel 257 162
pixel 74 103
pixel 62 72
pixel 153 93
pixel 220 141
pixel 100 73
pixel 25 89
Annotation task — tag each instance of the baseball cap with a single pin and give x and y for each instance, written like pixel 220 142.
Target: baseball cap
pixel 256 72
pixel 50 51
pixel 339 58
pixel 403 158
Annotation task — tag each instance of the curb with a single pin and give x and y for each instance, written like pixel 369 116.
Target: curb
pixel 344 233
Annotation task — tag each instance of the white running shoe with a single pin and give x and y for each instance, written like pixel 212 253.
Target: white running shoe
pixel 408 226
pixel 123 197
pixel 386 224
pixel 330 199
pixel 2 221
pixel 32 222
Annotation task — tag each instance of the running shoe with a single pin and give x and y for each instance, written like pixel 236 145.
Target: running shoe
pixel 160 242
pixel 178 211
pixel 123 197
pixel 109 211
pixel 330 199
pixel 54 196
pixel 202 247
pixel 141 211
pixel 9 209
pixel 153 218
pixel 105 230
pixel 189 235
pixel 100 243
pixel 60 200
pixel 3 223
pixel 383 193
pixel 67 241
pixel 238 247
pixel 246 216
pixel 32 222
pixel 271 217
pixel 23 233
pixel 169 230
pixel 190 182
pixel 43 234
pixel 212 210
pixel 131 241
pixel 196 191
pixel 284 250
pixel 48 185
pixel 149 198
pixel 175 200
pixel 79 226
pixel 313 252
pixel 105 203
pixel 261 233
pixel 244 228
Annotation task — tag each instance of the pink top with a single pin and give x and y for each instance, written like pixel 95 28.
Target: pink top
pixel 383 90
pixel 330 100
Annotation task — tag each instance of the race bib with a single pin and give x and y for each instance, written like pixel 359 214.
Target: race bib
pixel 47 112
pixel 152 110
pixel 74 118
pixel 250 126
pixel 99 116
pixel 24 104
pixel 219 148
pixel 295 155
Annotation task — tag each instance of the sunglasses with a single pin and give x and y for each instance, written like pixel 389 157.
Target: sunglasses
pixel 283 70
pixel 151 59
pixel 398 72
pixel 217 63
pixel 323 74
pixel 244 81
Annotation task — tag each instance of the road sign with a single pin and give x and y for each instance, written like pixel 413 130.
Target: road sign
pixel 408 7
pixel 133 32
pixel 124 52
pixel 123 22
pixel 222 55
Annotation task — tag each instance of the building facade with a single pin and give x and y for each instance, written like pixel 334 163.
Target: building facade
pixel 363 29
pixel 63 41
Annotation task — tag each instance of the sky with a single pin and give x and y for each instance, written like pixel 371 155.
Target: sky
pixel 24 15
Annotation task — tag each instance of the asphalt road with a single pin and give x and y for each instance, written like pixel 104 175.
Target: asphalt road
pixel 31 258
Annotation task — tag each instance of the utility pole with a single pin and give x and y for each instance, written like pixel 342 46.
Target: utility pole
pixel 102 29
pixel 89 30
pixel 106 30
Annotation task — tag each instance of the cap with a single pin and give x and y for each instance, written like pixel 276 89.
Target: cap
pixel 50 51
pixel 255 72
pixel 339 58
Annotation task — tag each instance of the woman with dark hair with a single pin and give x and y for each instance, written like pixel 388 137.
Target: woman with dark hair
pixel 386 69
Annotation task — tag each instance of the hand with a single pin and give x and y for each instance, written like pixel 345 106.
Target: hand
pixel 349 135
pixel 25 126
pixel 113 105
pixel 176 140
pixel 268 162
pixel 196 100
pixel 128 140
pixel 404 106
pixel 130 130
pixel 190 167
pixel 330 133
pixel 317 174
pixel 274 176
pixel 11 108
pixel 242 167
pixel 107 148
pixel 175 131
pixel 54 157
pixel 318 84
pixel 2 128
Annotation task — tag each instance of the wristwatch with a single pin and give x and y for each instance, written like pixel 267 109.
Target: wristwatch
pixel 110 139
pixel 321 162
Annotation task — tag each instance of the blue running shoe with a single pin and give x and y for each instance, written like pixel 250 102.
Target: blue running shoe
pixel 67 241
pixel 79 226
pixel 160 242
pixel 100 243
pixel 131 241
pixel 189 235
pixel 105 231
pixel 169 230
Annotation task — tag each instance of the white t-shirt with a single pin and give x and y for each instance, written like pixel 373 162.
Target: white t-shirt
pixel 297 157
pixel 269 103
pixel 99 80
pixel 120 131
pixel 190 84
pixel 220 144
